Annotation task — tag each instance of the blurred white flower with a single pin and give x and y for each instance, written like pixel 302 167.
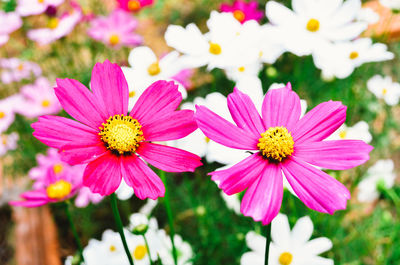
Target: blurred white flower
pixel 8 142
pixel 384 88
pixel 14 70
pixel 124 192
pixel 368 15
pixel 381 173
pixel 292 247
pixel 359 131
pixel 184 250
pixel 392 4
pixel 232 201
pixel 148 207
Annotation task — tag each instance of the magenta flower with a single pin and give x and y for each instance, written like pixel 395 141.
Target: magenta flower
pixel 35 7
pixel 134 5
pixel 113 142
pixel 282 142
pixel 9 22
pixel 243 11
pixel 116 30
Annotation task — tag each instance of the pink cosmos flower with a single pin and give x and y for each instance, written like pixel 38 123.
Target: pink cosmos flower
pixel 9 22
pixel 38 99
pixel 134 5
pixel 283 142
pixel 57 27
pixel 116 30
pixel 114 143
pixel 14 70
pixel 8 142
pixel 35 7
pixel 7 112
pixel 243 11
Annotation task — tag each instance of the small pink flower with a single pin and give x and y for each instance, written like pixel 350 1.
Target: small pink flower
pixel 134 5
pixel 9 22
pixel 243 11
pixel 7 112
pixel 113 143
pixel 35 7
pixel 38 99
pixel 281 141
pixel 57 28
pixel 86 196
pixel 8 142
pixel 116 30
pixel 15 70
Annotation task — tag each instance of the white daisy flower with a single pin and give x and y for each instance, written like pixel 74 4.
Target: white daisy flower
pixel 124 192
pixel 8 142
pixel 381 173
pixel 359 131
pixel 368 15
pixel 288 247
pixel 184 250
pixel 384 88
pixel 392 4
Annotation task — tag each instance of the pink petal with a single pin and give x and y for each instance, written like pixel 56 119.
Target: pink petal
pixel 57 131
pixel 244 113
pixel 103 175
pixel 34 195
pixel 281 107
pixel 168 158
pixel 110 87
pixel 240 176
pixel 320 122
pixel 262 201
pixel 336 155
pixel 222 131
pixel 172 126
pixel 157 100
pixel 315 188
pixel 29 204
pixel 80 103
pixel 141 178
pixel 82 155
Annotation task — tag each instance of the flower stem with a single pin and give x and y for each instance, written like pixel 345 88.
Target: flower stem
pixel 74 232
pixel 268 242
pixel 148 249
pixel 170 217
pixel 120 228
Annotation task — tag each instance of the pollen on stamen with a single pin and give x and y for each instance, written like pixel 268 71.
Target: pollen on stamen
pixel 276 144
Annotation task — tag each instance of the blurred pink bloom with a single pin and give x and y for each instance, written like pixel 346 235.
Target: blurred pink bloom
pixel 113 142
pixel 9 22
pixel 243 11
pixel 35 7
pixel 86 196
pixel 184 78
pixel 7 112
pixel 8 142
pixel 14 70
pixel 116 30
pixel 57 28
pixel 38 99
pixel 281 141
pixel 134 5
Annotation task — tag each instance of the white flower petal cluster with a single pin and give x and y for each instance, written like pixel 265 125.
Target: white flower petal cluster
pixel 359 131
pixel 384 88
pixel 392 4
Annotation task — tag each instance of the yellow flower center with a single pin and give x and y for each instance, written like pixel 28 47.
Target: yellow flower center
pixel 276 144
pixel 241 69
pixel 154 69
pixel 113 248
pixel 343 134
pixel 20 67
pixel 114 39
pixel 40 1
pixel 134 5
pixel 4 139
pixel 121 134
pixel 132 94
pixel 207 139
pixel 2 114
pixel 45 103
pixel 239 15
pixel 313 25
pixel 285 258
pixel 215 48
pixel 384 91
pixel 140 252
pixel 53 23
pixel 59 190
pixel 353 55
pixel 58 168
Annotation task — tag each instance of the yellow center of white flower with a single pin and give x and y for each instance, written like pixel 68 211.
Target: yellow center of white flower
pixel 112 248
pixel 140 252
pixel 53 23
pixel 134 5
pixel 59 190
pixel 114 39
pixel 2 114
pixel 239 15
pixel 241 69
pixel 285 258
pixel 343 134
pixel 276 144
pixel 154 69
pixel 313 25
pixel 121 134
pixel 353 55
pixel 215 48
pixel 132 94
pixel 384 91
pixel 45 103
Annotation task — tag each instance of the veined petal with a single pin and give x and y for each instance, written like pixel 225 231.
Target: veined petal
pixel 82 155
pixel 336 155
pixel 222 131
pixel 262 201
pixel 141 178
pixel 315 188
pixel 168 158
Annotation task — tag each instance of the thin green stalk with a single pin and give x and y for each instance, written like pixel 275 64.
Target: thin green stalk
pixel 74 232
pixel 120 228
pixel 170 218
pixel 148 249
pixel 268 237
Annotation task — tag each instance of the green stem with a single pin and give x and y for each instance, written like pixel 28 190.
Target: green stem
pixel 268 242
pixel 394 197
pixel 148 249
pixel 120 228
pixel 170 218
pixel 74 232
